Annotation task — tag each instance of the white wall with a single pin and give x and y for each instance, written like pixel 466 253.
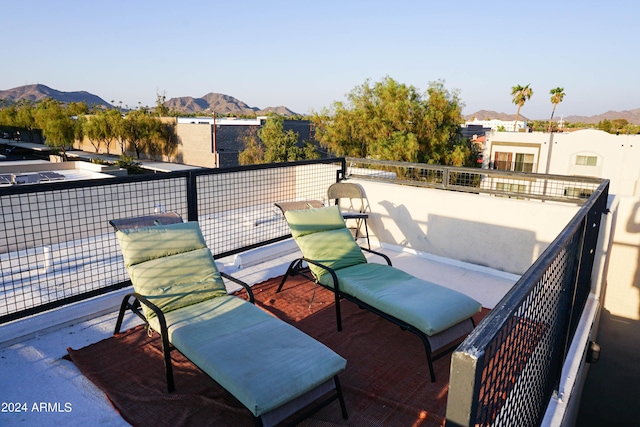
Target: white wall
pixel 501 233
pixel 622 297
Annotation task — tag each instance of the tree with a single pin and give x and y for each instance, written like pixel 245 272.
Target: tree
pixel 280 146
pixel 520 95
pixel 272 144
pixel 161 109
pixel 604 125
pixel 26 117
pixel 253 152
pixel 95 130
pixel 388 120
pixel 58 127
pixel 144 133
pixel 132 132
pixel 557 95
pixel 117 126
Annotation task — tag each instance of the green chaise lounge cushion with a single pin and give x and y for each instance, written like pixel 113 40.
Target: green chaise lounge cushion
pixel 429 307
pixel 171 266
pixel 142 244
pixel 225 337
pixel 322 236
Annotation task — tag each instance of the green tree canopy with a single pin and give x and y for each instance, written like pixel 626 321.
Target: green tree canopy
pixel 58 127
pixel 388 120
pixel 272 144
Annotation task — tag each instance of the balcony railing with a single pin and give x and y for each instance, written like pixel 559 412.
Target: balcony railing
pixel 510 366
pixel 572 189
pixel 57 246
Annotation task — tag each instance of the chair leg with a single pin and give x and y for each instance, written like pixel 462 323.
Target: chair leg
pixel 295 265
pixel 123 308
pixel 166 349
pixel 366 230
pixel 343 406
pixel 427 347
pixel 338 312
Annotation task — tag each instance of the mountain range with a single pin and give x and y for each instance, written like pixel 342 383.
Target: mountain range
pixel 221 104
pixel 632 116
pixel 226 104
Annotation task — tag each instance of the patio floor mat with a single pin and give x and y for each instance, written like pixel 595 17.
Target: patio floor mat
pixel 386 381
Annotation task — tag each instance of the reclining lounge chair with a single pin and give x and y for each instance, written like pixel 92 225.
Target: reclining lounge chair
pixel 271 367
pixel 438 315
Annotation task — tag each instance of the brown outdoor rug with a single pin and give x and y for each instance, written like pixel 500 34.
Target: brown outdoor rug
pixel 386 381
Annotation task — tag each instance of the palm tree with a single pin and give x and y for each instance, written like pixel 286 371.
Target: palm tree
pixel 557 95
pixel 520 95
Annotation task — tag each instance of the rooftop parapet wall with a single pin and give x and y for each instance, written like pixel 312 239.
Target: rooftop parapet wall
pixel 501 233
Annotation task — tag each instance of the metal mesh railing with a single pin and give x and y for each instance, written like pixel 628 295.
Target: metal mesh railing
pixel 510 365
pixel 57 243
pixel 57 246
pixel 236 208
pixel 521 185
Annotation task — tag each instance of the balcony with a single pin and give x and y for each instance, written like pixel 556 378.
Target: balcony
pixel 539 257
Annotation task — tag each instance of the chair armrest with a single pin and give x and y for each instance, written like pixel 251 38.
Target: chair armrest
pixel 355 215
pixel 143 300
pixel 386 258
pixel 241 283
pixel 164 336
pixel 329 270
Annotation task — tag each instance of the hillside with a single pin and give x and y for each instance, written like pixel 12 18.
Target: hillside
pixel 632 116
pixel 38 92
pixel 221 104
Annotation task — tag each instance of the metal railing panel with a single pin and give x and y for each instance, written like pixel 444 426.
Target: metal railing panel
pixel 509 367
pixel 236 209
pixel 57 246
pixel 522 185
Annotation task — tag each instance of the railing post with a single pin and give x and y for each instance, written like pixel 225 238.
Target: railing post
pixel 192 197
pixel 464 384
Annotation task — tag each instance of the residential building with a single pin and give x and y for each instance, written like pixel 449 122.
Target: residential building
pixel 592 153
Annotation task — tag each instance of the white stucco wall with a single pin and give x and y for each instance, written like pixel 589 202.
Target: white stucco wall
pixel 501 233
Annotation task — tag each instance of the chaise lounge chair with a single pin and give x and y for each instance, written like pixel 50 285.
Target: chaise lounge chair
pixel 272 368
pixel 438 315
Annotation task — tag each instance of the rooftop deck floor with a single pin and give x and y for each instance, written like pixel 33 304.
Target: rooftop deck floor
pixel 40 388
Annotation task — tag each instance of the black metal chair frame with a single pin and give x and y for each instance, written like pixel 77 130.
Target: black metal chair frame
pixel 133 301
pixel 296 268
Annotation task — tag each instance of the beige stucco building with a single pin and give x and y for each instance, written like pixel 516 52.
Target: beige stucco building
pixel 588 153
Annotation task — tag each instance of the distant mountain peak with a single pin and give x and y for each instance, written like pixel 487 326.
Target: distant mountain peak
pixel 221 104
pixel 38 92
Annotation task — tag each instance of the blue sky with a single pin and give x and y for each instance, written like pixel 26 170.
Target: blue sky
pixel 306 55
